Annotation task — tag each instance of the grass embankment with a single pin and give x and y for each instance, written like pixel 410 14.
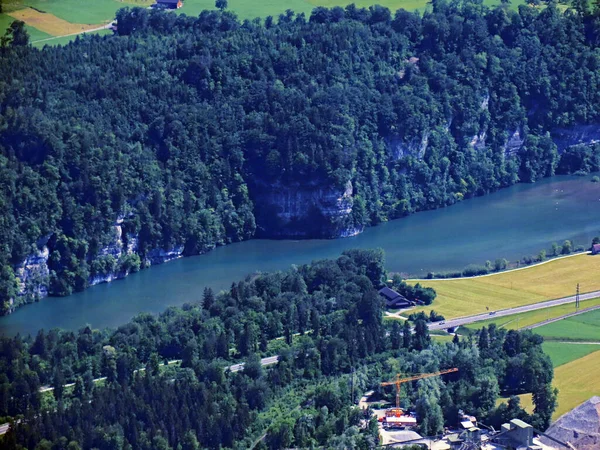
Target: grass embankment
pixel 584 327
pixel 555 279
pixel 518 321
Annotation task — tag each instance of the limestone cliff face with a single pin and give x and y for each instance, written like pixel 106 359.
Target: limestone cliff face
pixel 304 211
pixel 514 143
pixel 33 273
pixel 575 135
pixel 32 276
pixel 122 246
pixel 414 147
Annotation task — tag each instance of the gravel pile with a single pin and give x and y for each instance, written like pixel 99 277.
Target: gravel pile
pixel 580 426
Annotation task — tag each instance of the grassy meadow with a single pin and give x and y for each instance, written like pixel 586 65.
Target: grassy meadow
pixel 584 327
pixel 565 352
pixel 46 18
pixel 554 279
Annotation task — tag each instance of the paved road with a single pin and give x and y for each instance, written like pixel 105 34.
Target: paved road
pixel 507 312
pixel 265 362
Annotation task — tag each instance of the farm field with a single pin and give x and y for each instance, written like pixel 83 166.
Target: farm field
pixel 34 33
pixel 576 375
pixel 564 352
pixel 584 327
pixel 554 279
pixel 49 23
pixel 577 381
pixel 517 321
pixel 45 18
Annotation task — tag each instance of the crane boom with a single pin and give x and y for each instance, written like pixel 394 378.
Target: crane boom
pixel 398 381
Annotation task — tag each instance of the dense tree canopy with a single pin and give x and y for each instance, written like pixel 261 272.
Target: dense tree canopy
pixel 181 126
pixel 335 346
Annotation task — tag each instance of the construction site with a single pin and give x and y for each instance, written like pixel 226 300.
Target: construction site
pixel 398 427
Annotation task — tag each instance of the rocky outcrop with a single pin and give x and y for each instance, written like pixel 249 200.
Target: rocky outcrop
pixel 117 259
pixel 575 135
pixel 159 256
pixel 514 143
pixel 416 147
pixel 32 276
pixel 296 211
pixel 478 141
pixel 115 246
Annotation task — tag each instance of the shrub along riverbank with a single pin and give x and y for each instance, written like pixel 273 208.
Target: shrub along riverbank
pixel 502 264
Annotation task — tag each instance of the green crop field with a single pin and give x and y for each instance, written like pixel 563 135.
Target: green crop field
pixel 564 352
pixel 584 327
pixel 554 279
pixel 517 321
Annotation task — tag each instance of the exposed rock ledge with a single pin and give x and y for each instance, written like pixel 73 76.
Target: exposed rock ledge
pixel 33 273
pixel 294 211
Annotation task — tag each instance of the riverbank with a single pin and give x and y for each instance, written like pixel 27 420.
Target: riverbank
pixel 417 280
pixel 511 222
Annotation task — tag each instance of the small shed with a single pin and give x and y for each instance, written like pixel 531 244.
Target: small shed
pixel 394 299
pixel 595 249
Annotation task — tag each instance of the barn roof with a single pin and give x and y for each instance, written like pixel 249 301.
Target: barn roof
pixel 389 293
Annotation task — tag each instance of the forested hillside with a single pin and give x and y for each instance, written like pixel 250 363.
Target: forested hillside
pixel 333 346
pixel 184 133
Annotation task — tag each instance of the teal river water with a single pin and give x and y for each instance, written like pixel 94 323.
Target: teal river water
pixel 511 223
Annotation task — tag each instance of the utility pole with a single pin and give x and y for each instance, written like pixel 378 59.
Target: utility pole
pixel 577 299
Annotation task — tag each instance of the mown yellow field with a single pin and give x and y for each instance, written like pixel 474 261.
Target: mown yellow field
pixel 577 381
pixel 554 279
pixel 49 23
pixel 526 402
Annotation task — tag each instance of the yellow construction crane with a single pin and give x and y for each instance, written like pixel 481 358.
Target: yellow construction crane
pixel 398 381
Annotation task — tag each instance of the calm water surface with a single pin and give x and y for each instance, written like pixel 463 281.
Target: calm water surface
pixel 510 224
